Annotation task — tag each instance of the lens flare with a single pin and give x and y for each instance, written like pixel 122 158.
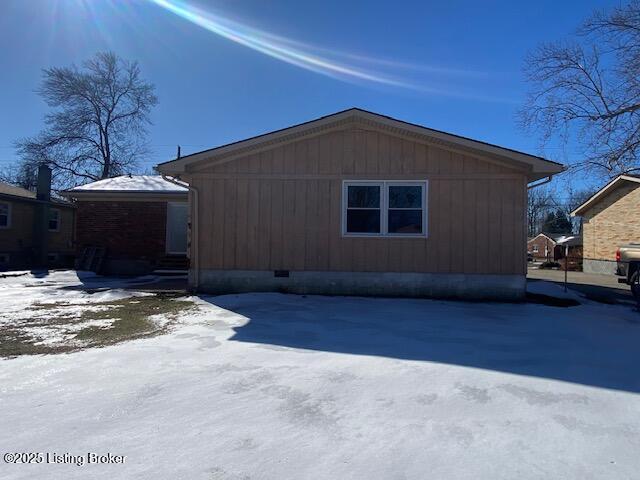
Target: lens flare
pixel 340 65
pixel 286 50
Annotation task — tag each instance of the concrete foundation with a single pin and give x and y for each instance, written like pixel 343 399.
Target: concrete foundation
pixel 607 267
pixel 434 285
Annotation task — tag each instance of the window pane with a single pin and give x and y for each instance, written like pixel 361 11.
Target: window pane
pixel 363 196
pixel 405 221
pixel 53 219
pixel 405 197
pixel 363 221
pixel 4 214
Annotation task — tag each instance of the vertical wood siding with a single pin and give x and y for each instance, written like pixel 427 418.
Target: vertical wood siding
pixel 280 209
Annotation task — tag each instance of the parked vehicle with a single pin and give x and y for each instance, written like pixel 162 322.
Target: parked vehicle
pixel 628 266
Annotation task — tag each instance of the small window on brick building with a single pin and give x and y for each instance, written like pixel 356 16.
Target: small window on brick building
pixel 535 249
pixel 54 220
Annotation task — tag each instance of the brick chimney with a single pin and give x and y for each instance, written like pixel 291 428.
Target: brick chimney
pixel 41 217
pixel 43 191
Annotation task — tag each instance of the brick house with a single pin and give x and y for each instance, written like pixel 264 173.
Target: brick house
pixel 551 247
pixel 544 247
pixel 610 218
pixel 139 221
pixel 36 230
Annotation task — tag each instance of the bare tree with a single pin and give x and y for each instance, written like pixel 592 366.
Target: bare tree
pixel 575 198
pixel 20 174
pixel 97 128
pixel 540 202
pixel 588 89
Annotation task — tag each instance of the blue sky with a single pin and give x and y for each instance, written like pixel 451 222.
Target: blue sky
pixel 454 65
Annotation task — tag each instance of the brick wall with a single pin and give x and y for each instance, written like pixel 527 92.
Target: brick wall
pixel 540 242
pixel 129 230
pixel 613 221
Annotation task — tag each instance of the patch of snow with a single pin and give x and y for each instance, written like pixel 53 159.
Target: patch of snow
pixel 275 386
pixel 30 301
pixel 18 294
pixel 133 183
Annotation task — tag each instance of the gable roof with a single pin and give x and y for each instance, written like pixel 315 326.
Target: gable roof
pixel 153 184
pixel 10 192
pixel 603 192
pixel 538 167
pixel 8 189
pixel 552 237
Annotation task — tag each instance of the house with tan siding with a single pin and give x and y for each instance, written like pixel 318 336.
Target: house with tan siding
pixel 610 218
pixel 359 203
pixel 36 230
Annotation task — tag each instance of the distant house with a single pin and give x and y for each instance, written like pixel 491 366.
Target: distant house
pixel 138 221
pixel 36 230
pixel 570 251
pixel 553 247
pixel 610 218
pixel 542 247
pixel 358 203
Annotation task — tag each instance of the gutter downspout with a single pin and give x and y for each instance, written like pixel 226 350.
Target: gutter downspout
pixel 546 180
pixel 193 244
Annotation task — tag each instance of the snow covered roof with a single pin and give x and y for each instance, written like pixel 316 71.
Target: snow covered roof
pixel 570 240
pixel 131 184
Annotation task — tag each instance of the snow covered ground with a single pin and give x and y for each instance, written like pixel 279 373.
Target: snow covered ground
pixel 51 308
pixel 271 386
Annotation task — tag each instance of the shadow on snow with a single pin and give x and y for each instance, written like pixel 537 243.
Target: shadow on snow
pixel 595 345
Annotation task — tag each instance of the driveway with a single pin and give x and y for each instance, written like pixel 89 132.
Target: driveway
pixel 272 386
pixel 602 288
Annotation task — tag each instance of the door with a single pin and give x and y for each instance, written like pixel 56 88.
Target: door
pixel 177 218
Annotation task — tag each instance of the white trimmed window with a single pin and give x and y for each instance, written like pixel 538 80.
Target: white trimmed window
pixel 535 249
pixel 54 220
pixel 384 208
pixel 5 215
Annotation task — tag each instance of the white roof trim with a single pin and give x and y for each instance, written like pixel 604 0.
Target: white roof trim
pixel 538 166
pixel 544 235
pixel 603 192
pixel 130 184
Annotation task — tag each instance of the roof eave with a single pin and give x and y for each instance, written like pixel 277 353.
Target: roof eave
pixel 578 212
pixel 539 167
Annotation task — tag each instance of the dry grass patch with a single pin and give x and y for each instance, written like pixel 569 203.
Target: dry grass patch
pixel 63 327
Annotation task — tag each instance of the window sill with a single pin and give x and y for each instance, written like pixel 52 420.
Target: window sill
pixel 388 235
